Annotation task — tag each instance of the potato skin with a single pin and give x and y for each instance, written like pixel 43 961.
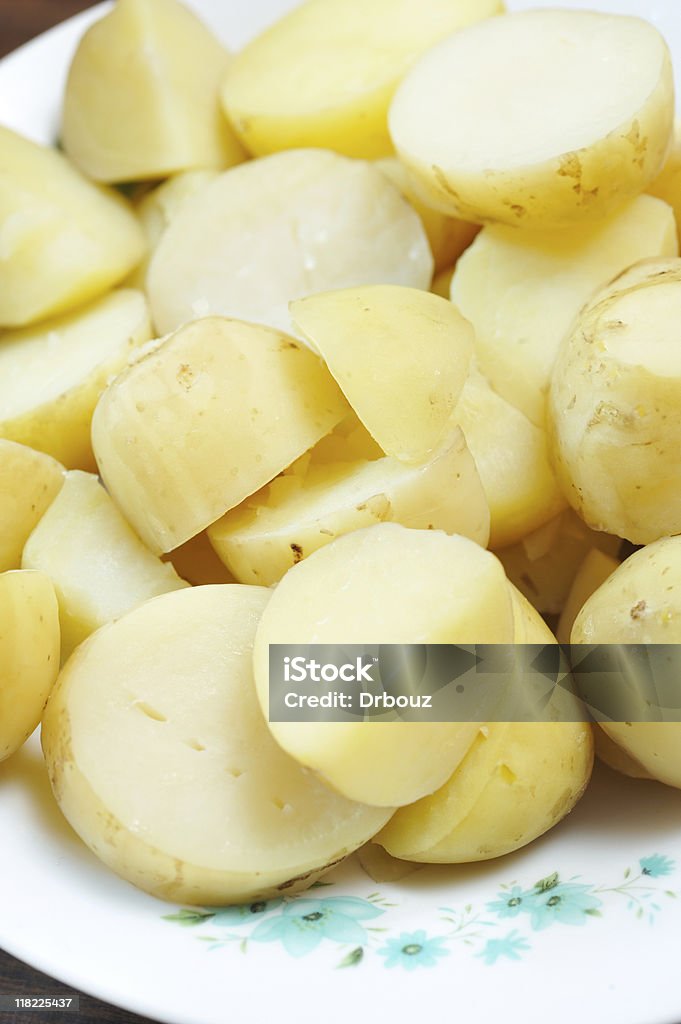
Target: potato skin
pixel 614 427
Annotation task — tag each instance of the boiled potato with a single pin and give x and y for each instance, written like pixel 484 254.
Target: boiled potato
pixel 617 758
pixel 614 403
pixel 196 562
pixel 530 628
pixel 448 237
pixel 382 585
pixel 512 458
pixel 640 603
pixel 518 780
pixel 584 124
pixel 204 421
pixel 51 375
pixel 99 568
pixel 347 442
pixel 296 515
pixel 381 867
pixel 161 761
pixel 442 283
pixel 63 240
pixel 324 74
pixel 400 356
pixel 29 482
pixel 281 228
pixel 543 565
pixel 29 654
pixel 142 98
pixel 521 291
pixel 594 570
pixel 667 185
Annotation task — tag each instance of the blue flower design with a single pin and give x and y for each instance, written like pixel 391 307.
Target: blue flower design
pixel 230 916
pixel 303 923
pixel 656 865
pixel 413 949
pixel 510 903
pixel 564 903
pixel 512 946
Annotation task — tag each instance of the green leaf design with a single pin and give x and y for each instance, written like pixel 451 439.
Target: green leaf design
pixel 189 918
pixel 353 958
pixel 550 882
pixel 593 912
pixel 320 885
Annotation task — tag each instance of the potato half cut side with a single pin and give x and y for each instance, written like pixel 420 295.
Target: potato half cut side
pixel 296 515
pixel 141 97
pixel 29 654
pixel 204 421
pixel 160 759
pixel 585 122
pixel 52 374
pixel 29 482
pixel 400 356
pixel 324 74
pixel 280 228
pixel 382 585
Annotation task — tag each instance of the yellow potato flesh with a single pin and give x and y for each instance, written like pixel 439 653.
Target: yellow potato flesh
pixel 29 482
pixel 325 73
pixel 99 568
pixel 51 375
pixel 381 585
pixel 585 127
pixel 141 98
pixel 667 185
pixel 521 291
pixel 399 355
pixel 613 410
pixel 161 761
pixel 280 228
pixel 204 421
pixel 29 654
pixel 594 570
pixel 63 240
pixel 296 515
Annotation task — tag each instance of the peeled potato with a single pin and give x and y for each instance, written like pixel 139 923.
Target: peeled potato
pixel 99 568
pixel 51 375
pixel 281 228
pixel 204 421
pixel 448 237
pixel 141 98
pixel 518 780
pixel 667 185
pixel 324 74
pixel 521 290
pixel 29 654
pixel 539 119
pixel 640 603
pixel 29 482
pixel 399 355
pixel 63 240
pixel 161 761
pixel 511 455
pixel 384 585
pixel 594 570
pixel 614 406
pixel 296 515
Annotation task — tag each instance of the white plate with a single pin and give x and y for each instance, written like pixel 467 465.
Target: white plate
pixel 582 925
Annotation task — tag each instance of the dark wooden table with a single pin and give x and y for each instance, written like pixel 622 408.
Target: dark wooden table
pixel 20 20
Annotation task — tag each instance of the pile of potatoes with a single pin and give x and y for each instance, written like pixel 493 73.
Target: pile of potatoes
pixel 379 343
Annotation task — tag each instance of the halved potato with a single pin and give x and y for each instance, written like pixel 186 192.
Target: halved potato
pixel 324 74
pixel 160 759
pixel 63 240
pixel 141 97
pixel 51 375
pixel 99 568
pixel 29 654
pixel 400 356
pixel 584 124
pixel 521 290
pixel 29 482
pixel 382 585
pixel 518 780
pixel 296 515
pixel 205 420
pixel 278 229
